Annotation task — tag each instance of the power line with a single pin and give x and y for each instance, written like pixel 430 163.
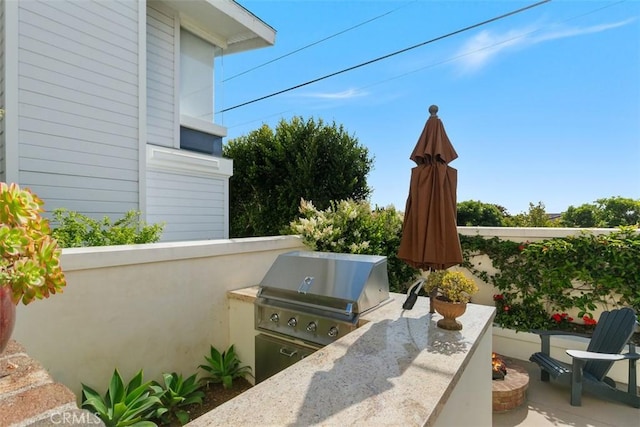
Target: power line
pixel 451 59
pixel 462 55
pixel 380 58
pixel 317 42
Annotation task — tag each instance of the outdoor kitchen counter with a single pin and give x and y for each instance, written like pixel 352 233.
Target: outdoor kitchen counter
pixel 398 368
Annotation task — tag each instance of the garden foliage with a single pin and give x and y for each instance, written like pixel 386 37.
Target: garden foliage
pixel 73 229
pixel 353 227
pixel 274 169
pixel 123 405
pixel 175 394
pixel 223 367
pixel 29 256
pixel 605 213
pixel 144 404
pixel 475 212
pixel 539 279
pixel 452 286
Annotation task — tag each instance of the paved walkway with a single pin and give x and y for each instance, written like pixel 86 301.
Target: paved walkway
pixel 547 404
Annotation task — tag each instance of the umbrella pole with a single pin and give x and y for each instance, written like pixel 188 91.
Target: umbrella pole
pixel 432 295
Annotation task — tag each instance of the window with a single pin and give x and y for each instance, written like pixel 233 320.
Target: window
pixel 202 142
pixel 196 76
pixel 197 130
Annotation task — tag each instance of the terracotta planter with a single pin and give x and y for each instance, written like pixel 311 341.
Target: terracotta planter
pixel 7 317
pixel 450 311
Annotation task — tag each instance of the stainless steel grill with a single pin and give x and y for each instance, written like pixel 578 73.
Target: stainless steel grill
pixel 310 299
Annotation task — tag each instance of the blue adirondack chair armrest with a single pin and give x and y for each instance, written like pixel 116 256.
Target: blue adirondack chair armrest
pixel 632 354
pixel 545 337
pixel 542 332
pixel 590 355
pixel 581 357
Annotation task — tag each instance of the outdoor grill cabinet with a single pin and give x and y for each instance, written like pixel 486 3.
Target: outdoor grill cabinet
pixel 396 368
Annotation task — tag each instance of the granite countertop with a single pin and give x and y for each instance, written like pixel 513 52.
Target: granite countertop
pixel 397 369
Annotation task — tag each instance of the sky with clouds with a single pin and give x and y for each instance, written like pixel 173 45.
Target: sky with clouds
pixel 541 106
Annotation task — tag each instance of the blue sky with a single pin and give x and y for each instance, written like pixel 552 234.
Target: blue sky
pixel 543 106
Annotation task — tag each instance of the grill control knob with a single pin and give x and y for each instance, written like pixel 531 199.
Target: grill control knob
pixel 333 332
pixel 292 322
pixel 311 327
pixel 274 317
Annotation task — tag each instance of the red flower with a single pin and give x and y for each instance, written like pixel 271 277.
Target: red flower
pixel 498 297
pixel 589 320
pixel 523 246
pixel 557 318
pixel 506 308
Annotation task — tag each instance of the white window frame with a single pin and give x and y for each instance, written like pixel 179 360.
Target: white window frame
pixel 205 126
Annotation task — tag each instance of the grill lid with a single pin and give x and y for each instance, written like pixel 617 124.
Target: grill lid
pixel 349 283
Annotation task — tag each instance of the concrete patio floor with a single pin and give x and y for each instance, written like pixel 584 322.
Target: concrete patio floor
pixel 547 404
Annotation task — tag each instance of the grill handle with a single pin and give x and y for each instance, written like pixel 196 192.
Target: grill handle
pixel 288 353
pixel 347 311
pixel 306 284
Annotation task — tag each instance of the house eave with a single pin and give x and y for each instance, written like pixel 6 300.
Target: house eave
pixel 234 28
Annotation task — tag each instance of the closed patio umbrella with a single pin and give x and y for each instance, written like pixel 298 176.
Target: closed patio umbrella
pixel 429 235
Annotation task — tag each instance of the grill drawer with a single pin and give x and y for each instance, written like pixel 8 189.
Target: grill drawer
pixel 273 355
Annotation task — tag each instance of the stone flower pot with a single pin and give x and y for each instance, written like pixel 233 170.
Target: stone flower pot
pixel 450 311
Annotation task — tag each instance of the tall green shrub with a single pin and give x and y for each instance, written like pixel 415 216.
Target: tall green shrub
pixel 302 158
pixel 352 226
pixel 475 212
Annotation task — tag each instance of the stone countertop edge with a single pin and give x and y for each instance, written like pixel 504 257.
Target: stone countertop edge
pixel 244 294
pixel 399 368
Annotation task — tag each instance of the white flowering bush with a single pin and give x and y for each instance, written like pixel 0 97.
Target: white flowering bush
pixel 353 227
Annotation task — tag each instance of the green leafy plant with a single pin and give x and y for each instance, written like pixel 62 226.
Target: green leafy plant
pixel 123 405
pixel 176 394
pixel 520 317
pixel 452 286
pixel 224 367
pixel 582 272
pixel 29 256
pixel 73 229
pixel 350 226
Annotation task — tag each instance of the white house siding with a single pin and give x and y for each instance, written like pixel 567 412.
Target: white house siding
pixel 161 115
pixel 186 191
pixel 192 207
pixel 78 104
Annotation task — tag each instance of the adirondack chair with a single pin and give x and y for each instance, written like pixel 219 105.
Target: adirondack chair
pixel 589 368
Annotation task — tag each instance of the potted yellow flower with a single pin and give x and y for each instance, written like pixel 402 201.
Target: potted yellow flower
pixel 452 290
pixel 29 256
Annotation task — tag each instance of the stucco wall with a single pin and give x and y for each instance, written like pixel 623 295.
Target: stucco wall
pixel 158 306
pixel 155 307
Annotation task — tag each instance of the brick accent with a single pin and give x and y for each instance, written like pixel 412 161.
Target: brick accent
pixel 510 392
pixel 30 397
